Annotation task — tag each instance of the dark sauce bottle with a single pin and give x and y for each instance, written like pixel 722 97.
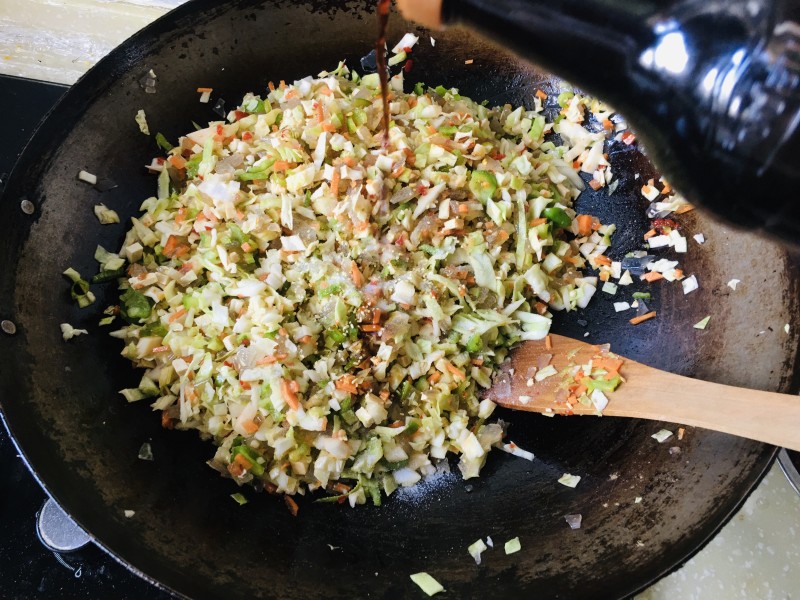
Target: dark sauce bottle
pixel 712 87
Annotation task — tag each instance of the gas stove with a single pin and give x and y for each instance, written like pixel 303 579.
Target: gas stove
pixel 30 525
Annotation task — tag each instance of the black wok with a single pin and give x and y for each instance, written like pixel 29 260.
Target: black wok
pixel 61 404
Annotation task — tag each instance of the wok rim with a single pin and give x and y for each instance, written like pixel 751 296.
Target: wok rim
pixel 120 61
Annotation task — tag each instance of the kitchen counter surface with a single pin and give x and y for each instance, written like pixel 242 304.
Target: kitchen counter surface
pixel 755 556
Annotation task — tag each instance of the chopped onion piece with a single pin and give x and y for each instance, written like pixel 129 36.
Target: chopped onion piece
pixel 574 521
pixel 489 542
pixel 141 121
pixel 661 435
pixel 733 283
pixel 543 374
pixel 512 448
pixel 787 328
pixel 427 583
pixel 68 331
pixel 621 306
pixel 568 480
pixel 690 284
pixel 599 399
pixel 513 545
pixel 702 323
pixel 658 241
pixel 146 452
pixel 409 40
pixel 699 238
pixel 128 513
pixel 89 178
pixel 637 500
pixel 476 549
pixel 609 288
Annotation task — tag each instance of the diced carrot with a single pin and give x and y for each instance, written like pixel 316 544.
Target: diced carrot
pixel 325 90
pixel 678 273
pixel 204 90
pixel 548 342
pixel 280 165
pixel 245 385
pixel 177 161
pixel 584 225
pixel 463 208
pixel 306 339
pixel 246 247
pixel 684 209
pixel 329 127
pixel 335 182
pixel 608 125
pixel 602 259
pixel 376 315
pixel 241 460
pixel 271 86
pixel 289 395
pixel 580 391
pixel 355 274
pixel 540 307
pixel 612 365
pixel 537 222
pixel 458 374
pixel 267 360
pixel 595 185
pixel 320 112
pixel 652 276
pixel 291 505
pixel 290 94
pixel 371 328
pixel 643 318
pixel 177 315
pixel 294 386
pixel 604 275
pixel 346 384
pixel 541 95
pixel 628 138
pixel 649 234
pixel 247 136
pixel 435 377
pixel 167 422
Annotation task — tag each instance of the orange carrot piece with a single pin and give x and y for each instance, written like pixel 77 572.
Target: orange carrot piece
pixel 291 505
pixel 242 461
pixel 371 328
pixel 652 276
pixel 541 95
pixel 584 225
pixel 335 182
pixel 204 90
pixel 602 259
pixel 177 161
pixel 280 165
pixel 643 318
pixel 376 315
pixel 267 360
pixel 457 373
pixel 289 395
pixel 612 365
pixel 548 342
pixel 355 274
pixel 320 112
pixel 649 234
pixel 177 315
pixel 435 377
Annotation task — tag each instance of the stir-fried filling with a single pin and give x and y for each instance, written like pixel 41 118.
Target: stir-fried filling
pixel 327 309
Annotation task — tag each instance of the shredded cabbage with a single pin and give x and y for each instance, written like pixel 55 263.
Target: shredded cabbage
pixel 326 309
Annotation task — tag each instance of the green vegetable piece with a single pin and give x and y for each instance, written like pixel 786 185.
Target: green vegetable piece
pixel 330 290
pixel 558 216
pixel 441 90
pixel 239 498
pixel 604 385
pixel 419 88
pixel 448 129
pixel 564 98
pixel 251 456
pixel 427 583
pixel 135 306
pixel 475 344
pixel 642 295
pixel 513 546
pixel 483 184
pixel 106 276
pixel 537 128
pixel 163 143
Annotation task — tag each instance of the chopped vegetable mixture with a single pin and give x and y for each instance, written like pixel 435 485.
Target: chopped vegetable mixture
pixel 325 309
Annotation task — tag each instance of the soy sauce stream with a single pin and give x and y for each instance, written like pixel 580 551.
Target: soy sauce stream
pixel 384 6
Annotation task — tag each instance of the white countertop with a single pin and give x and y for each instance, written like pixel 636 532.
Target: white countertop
pixel 756 555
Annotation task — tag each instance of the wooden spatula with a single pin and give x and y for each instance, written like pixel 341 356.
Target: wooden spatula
pixel 647 393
